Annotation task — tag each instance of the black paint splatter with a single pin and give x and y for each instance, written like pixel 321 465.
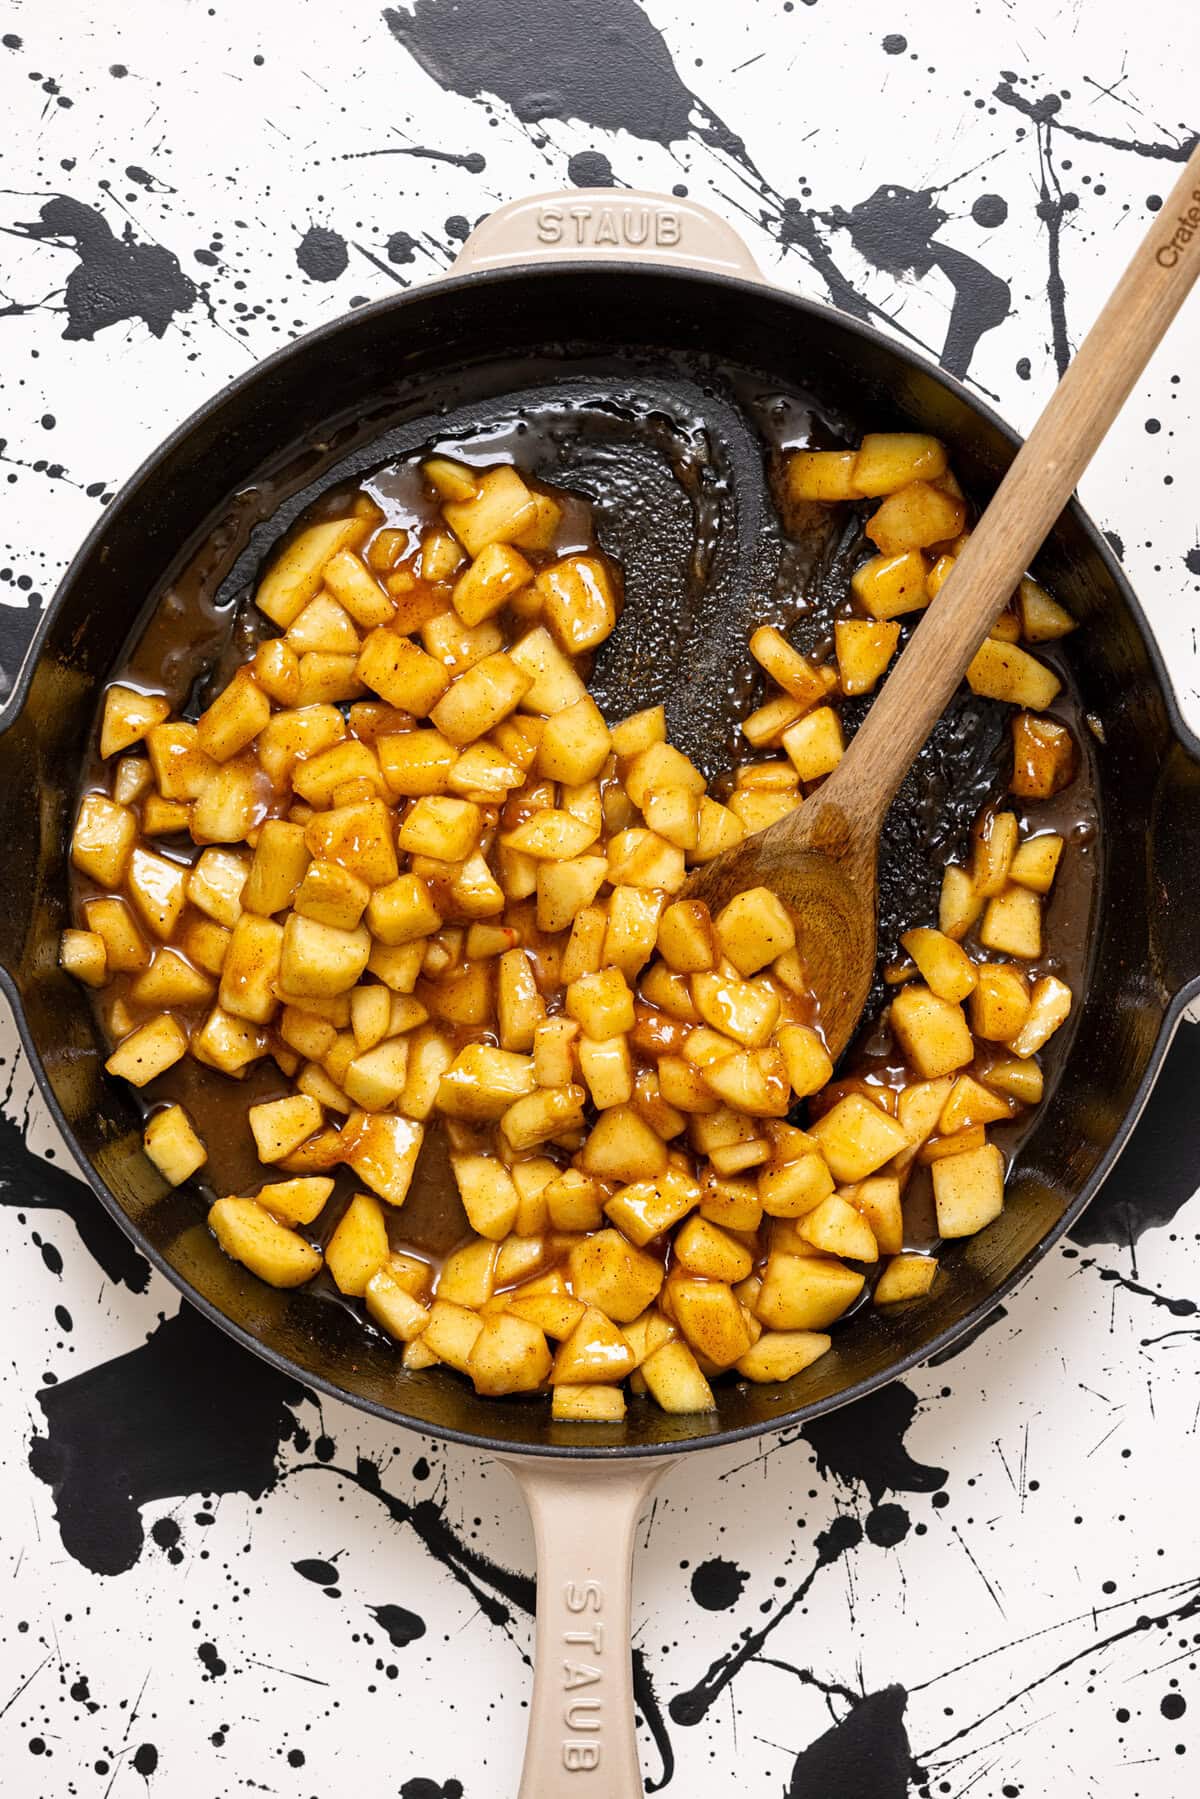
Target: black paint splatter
pixel 188 1412
pixel 322 253
pixel 322 1574
pixel 864 1443
pixel 430 1789
pixel 717 1584
pixel 689 1707
pixel 895 231
pixel 118 278
pixel 401 247
pixel 213 1664
pixel 403 1627
pixel 28 1183
pixel 867 1752
pixel 145 1759
pixel 1157 1172
pixel 590 168
pixel 1192 560
pixel 598 61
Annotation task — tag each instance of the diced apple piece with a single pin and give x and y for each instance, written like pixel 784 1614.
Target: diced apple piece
pixel 932 1033
pixel 645 1209
pixel 85 955
pixel 1036 862
pixel 171 1143
pixel 1000 1002
pixel 103 840
pixel 856 1137
pixel 805 1292
pixel 451 1333
pixel 1012 924
pixel 969 1104
pixel 251 969
pixel 968 1190
pixel 128 715
pixel 888 586
pixel 498 508
pixel 878 1199
pixel 496 573
pixel 234 719
pixel 915 515
pixel 320 960
pixel 888 460
pixel 488 1194
pixel 711 1318
pixel 358 1247
pixel 805 1057
pixel 482 1083
pixel 836 1228
pixel 779 1355
pixel 384 1153
pixel 478 700
pixel 596 1351
pixel 545 1113
pixel 1002 671
pixel 717 829
pixel 944 965
pixel 149 1051
pixel 509 1355
pixel 331 895
pixel 1050 1006
pixel 795 1188
pixel 824 475
pixel 905 1277
pixel 297 1201
pixel 864 647
pixel 1044 757
pixel 754 928
pixel 579 601
pixel 394 1306
pixel 280 1126
pixel 1042 619
pixel 786 666
pixel 267 1248
pixel 607 1070
pixel 1022 1081
pixel 401 672
pixel 296 573
pixel 622 1147
pixel 747 1011
pixel 960 904
pixel 704 1249
pixel 673 1377
pixel 587 1404
pixel 446 828
pixel 376 1078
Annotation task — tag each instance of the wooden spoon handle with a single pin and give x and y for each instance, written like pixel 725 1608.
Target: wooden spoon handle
pixel 1038 485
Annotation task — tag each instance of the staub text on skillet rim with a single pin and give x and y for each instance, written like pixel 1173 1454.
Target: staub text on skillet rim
pixel 584 1485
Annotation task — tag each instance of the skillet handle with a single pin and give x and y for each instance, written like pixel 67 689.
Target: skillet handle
pixel 1175 869
pixel 581 1742
pixel 605 224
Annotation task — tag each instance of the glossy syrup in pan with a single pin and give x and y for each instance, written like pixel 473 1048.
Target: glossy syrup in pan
pixel 675 468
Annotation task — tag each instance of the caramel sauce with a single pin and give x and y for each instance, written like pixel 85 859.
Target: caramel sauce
pixel 198 635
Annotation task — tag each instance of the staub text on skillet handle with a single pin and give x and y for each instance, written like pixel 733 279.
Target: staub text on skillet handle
pixel 1175 869
pixel 581 1742
pixel 606 224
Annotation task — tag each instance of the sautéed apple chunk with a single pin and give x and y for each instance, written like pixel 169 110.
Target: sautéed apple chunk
pixel 403 858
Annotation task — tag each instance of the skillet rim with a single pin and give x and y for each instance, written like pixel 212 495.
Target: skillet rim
pixel 235 392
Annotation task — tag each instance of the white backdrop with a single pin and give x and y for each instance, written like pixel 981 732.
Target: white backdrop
pixel 986 1580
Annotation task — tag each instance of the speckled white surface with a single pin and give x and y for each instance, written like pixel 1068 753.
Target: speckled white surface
pixel 989 1582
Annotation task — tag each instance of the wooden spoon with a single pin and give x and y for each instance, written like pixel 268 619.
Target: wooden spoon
pixel 821 859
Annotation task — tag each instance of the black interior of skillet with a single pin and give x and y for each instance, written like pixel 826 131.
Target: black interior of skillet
pixel 448 361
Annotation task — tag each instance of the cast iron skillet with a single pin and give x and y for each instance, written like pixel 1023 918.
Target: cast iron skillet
pixel 623 293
